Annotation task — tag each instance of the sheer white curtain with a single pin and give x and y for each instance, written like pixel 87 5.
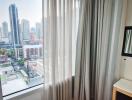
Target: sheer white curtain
pixel 60 23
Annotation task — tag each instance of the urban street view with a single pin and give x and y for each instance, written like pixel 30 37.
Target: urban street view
pixel 21 53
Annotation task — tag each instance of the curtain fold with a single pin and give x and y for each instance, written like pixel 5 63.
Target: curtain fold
pixel 60 33
pixel 97 48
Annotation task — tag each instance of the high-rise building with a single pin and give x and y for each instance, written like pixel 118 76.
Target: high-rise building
pixel 0 34
pixel 25 29
pixel 5 29
pixel 14 23
pixel 4 33
pixel 38 30
pixel 33 30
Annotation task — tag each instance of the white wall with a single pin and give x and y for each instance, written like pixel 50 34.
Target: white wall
pixel 126 62
pixel 129 13
pixel 126 68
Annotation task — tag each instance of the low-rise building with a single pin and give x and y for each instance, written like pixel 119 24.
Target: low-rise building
pixel 32 51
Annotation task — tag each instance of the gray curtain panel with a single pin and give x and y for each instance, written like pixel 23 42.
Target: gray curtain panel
pixel 97 48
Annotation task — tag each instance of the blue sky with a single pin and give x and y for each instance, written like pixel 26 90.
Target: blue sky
pixel 27 9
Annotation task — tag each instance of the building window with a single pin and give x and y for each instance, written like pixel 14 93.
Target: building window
pixel 21 63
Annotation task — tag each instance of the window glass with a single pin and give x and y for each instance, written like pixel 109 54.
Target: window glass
pixel 21 54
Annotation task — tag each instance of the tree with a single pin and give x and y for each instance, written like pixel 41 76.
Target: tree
pixel 11 53
pixel 21 62
pixel 2 51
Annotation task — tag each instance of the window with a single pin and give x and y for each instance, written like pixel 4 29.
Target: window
pixel 21 44
pixel 21 53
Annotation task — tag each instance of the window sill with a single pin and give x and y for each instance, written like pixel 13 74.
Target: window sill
pixel 24 92
pixel 28 92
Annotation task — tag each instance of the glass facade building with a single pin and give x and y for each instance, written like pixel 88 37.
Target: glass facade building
pixel 14 23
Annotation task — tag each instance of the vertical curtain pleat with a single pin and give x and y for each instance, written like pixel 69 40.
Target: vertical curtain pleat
pixel 83 51
pixel 113 48
pixel 103 30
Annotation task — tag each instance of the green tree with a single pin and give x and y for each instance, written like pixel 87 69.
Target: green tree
pixel 21 62
pixel 11 53
pixel 2 51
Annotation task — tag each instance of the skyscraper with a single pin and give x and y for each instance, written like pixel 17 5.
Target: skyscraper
pixel 25 29
pixel 14 23
pixel 33 35
pixel 33 30
pixel 5 29
pixel 38 30
pixel 0 34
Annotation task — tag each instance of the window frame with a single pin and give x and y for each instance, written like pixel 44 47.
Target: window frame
pixel 1 97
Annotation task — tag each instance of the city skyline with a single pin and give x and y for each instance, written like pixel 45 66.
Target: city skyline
pixel 24 12
pixel 21 46
pixel 8 28
pixel 19 29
